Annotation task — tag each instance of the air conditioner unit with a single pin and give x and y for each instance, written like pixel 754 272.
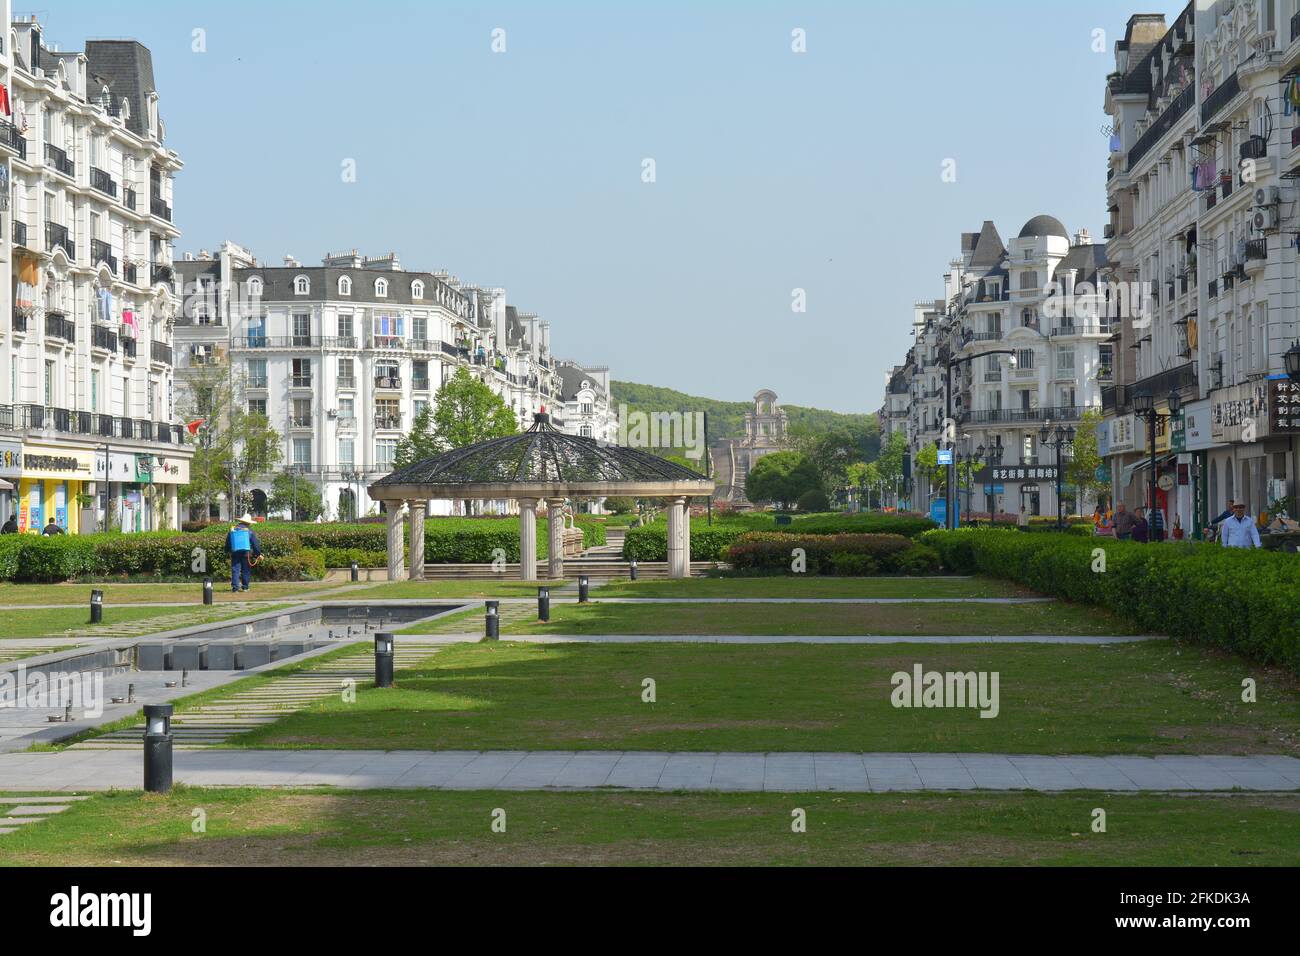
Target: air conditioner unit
pixel 332 414
pixel 1268 196
pixel 1264 219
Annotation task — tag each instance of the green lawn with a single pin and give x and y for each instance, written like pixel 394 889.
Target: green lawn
pixel 1152 697
pixel 58 621
pixel 506 587
pixel 421 827
pixel 53 594
pixel 918 620
pixel 815 587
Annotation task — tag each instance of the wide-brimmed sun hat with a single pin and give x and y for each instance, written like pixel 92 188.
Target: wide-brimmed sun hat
pixel 246 518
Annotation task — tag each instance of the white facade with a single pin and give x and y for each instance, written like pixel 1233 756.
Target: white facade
pixel 342 357
pixel 86 390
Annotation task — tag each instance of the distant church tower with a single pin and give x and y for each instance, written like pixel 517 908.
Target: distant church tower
pixel 766 427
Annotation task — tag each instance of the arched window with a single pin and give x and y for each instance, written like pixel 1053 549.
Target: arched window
pixel 417 289
pixel 381 288
pixel 301 286
pixel 345 285
pixel 254 285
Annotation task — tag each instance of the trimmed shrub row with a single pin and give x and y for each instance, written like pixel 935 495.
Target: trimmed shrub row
pixel 837 554
pixel 1238 599
pixel 710 542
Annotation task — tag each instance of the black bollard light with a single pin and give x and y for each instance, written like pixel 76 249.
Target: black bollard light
pixel 157 748
pixel 96 606
pixel 207 590
pixel 582 588
pixel 543 604
pixel 632 569
pixel 492 621
pixel 383 659
pixel 356 574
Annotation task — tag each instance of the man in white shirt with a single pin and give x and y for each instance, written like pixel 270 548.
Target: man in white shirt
pixel 1239 531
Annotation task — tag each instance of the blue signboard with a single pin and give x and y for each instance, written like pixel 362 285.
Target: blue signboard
pixel 995 490
pixel 945 456
pixel 939 513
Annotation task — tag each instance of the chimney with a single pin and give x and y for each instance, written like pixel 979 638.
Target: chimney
pixel 1081 238
pixel 290 262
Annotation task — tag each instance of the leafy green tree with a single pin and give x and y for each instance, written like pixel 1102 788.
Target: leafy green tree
pixel 831 453
pixel 464 412
pixel 781 477
pixel 1081 471
pixel 619 505
pixel 296 494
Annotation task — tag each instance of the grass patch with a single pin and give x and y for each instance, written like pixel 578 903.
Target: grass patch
pixel 420 827
pixel 451 589
pixel 815 587
pixel 65 621
pixel 120 593
pixel 919 620
pixel 1146 698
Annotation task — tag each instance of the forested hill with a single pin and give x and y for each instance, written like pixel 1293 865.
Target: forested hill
pixel 727 419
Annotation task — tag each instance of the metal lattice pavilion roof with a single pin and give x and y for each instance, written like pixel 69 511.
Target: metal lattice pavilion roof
pixel 541 463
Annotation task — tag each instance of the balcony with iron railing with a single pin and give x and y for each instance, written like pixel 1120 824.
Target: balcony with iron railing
pixel 104 338
pixel 160 272
pixel 1183 102
pixel 1220 98
pixel 160 352
pixel 301 380
pixel 388 422
pixel 131 273
pixel 255 382
pixel 103 182
pixel 1085 328
pixel 159 209
pixel 74 422
pixel 1046 413
pixel 1162 383
pixel 56 237
pixel 101 251
pixel 1256 249
pixel 128 345
pixel 19 322
pixel 420 384
pixel 58 326
pixel 300 421
pixel 59 160
pixel 388 382
pixel 347 381
pixel 12 138
pixel 20 233
pixel 129 198
pixel 257 341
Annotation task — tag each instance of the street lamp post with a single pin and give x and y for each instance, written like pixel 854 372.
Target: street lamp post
pixel 1145 407
pixel 1060 438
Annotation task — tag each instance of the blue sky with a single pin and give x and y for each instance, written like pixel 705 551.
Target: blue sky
pixel 774 170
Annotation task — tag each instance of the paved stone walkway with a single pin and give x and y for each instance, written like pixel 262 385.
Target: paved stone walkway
pixel 459 633
pixel 230 715
pixel 17 812
pixel 734 772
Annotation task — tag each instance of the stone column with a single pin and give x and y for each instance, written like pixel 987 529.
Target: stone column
pixel 675 553
pixel 394 540
pixel 686 537
pixel 555 538
pixel 417 509
pixel 528 539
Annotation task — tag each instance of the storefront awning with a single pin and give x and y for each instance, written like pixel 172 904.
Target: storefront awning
pixel 1128 471
pixel 5 485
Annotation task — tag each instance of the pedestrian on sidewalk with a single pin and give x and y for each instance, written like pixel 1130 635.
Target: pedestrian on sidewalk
pixel 244 550
pixel 1023 520
pixel 1157 524
pixel 1124 522
pixel 1239 531
pixel 1141 529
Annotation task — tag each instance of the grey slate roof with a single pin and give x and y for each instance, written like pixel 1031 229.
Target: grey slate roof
pixel 126 67
pixel 277 285
pixel 1044 226
pixel 989 250
pixel 1087 259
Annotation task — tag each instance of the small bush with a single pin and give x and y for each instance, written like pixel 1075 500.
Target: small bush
pixel 814 499
pixel 842 554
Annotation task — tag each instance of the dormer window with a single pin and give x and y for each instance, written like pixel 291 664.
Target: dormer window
pixel 417 289
pixel 345 285
pixel 381 288
pixel 254 285
pixel 301 286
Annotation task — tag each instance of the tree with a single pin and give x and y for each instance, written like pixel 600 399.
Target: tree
pixel 464 412
pixel 781 477
pixel 296 494
pixel 831 453
pixel 233 446
pixel 1081 471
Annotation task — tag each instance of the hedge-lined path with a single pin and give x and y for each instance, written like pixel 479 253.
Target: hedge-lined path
pixel 82 770
pixel 217 721
pixel 16 812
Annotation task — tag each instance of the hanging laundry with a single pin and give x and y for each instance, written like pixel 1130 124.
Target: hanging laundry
pixel 29 272
pixel 104 306
pixel 4 100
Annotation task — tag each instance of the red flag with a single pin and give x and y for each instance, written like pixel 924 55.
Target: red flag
pixel 194 426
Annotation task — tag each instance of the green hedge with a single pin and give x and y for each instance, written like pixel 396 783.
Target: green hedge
pixel 1242 600
pixel 839 554
pixel 710 542
pixel 650 543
